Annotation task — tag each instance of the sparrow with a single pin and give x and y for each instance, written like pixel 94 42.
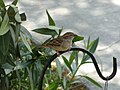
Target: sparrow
pixel 61 43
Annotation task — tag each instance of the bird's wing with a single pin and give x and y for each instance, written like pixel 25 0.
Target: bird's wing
pixel 55 42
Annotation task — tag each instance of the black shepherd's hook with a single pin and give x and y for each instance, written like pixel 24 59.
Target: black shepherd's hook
pixel 94 62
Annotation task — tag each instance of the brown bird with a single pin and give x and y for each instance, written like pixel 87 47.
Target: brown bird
pixel 61 43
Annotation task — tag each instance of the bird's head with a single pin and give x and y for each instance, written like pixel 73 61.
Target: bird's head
pixel 69 35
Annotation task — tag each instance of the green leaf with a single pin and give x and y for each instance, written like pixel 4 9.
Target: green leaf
pixel 67 63
pixel 46 31
pixel 59 68
pixel 4 43
pixel 2 4
pixel 88 43
pixel 72 57
pixel 78 38
pixel 51 85
pixel 7 66
pixel 53 28
pixel 24 39
pixel 2 71
pixel 64 82
pixel 31 79
pixel 4 28
pixel 21 65
pixel 15 2
pixel 12 10
pixel 93 81
pixel 94 45
pixel 51 21
pixel 0 19
pixel 13 36
pixel 26 32
pixel 17 17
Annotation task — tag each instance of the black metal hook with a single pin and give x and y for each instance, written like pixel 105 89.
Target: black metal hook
pixel 94 62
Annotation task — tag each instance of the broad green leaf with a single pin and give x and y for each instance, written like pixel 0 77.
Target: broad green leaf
pixel 78 38
pixel 26 32
pixel 45 31
pixel 67 63
pixel 4 43
pixel 17 17
pixel 4 28
pixel 53 28
pixel 93 81
pixel 24 39
pixel 59 68
pixel 51 21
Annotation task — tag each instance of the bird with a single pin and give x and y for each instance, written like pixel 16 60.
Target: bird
pixel 61 43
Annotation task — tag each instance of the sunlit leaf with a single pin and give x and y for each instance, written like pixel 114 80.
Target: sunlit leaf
pixel 17 17
pixel 59 68
pixel 4 28
pixel 53 28
pixel 45 31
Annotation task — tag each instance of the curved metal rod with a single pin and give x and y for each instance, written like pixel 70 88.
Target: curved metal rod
pixel 94 62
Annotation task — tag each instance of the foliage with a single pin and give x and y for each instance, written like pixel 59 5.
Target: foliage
pixel 66 77
pixel 21 61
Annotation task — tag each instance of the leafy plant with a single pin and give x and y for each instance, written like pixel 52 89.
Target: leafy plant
pixel 21 61
pixel 73 63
